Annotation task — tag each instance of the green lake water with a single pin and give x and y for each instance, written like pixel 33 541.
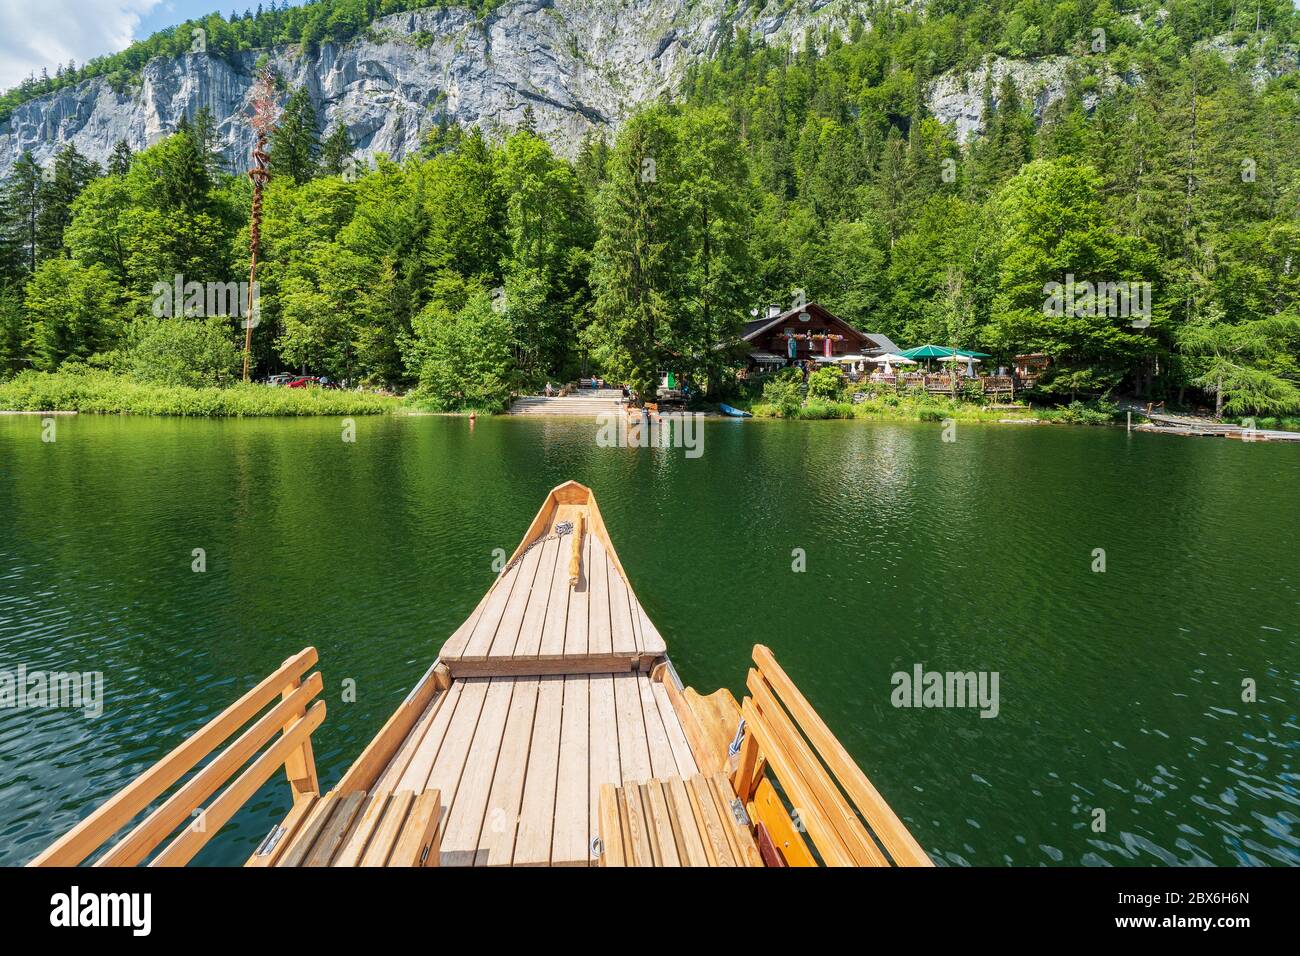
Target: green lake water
pixel 1120 690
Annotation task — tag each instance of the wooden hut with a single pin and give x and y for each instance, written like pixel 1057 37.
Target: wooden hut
pixel 811 333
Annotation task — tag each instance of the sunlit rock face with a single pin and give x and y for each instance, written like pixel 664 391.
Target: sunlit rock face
pixel 579 64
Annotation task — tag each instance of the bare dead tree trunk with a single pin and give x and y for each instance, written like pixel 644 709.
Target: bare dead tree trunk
pixel 264 116
pixel 1188 241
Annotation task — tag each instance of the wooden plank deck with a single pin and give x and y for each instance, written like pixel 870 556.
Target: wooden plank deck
pixel 519 761
pixel 533 621
pixel 675 822
pixel 550 698
pixel 381 828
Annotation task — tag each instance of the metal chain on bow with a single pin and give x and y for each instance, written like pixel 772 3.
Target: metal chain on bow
pixel 561 529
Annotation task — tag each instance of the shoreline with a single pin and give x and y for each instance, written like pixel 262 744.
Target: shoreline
pixel 96 392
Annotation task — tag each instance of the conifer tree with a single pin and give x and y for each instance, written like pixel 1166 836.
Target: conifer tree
pixel 70 173
pixel 119 164
pixel 295 144
pixel 632 273
pixel 21 206
pixel 336 152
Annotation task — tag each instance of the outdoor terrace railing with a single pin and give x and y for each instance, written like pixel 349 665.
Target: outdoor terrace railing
pixel 847 819
pixel 287 727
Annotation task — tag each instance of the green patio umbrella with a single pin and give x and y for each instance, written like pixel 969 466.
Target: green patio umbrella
pixel 940 352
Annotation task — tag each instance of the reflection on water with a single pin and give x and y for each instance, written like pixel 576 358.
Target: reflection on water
pixel 1120 690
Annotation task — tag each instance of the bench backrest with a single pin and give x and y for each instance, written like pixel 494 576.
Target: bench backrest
pixel 287 728
pixel 848 821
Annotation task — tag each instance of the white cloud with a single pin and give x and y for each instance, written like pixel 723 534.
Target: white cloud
pixel 47 33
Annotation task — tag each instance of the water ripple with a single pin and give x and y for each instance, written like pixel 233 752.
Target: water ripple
pixel 1120 692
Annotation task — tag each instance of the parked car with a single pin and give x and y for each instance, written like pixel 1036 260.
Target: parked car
pixel 303 381
pixel 284 378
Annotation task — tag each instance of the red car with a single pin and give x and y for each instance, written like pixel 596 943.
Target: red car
pixel 303 381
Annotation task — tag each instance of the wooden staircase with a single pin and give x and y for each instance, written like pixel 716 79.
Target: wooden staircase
pixel 583 403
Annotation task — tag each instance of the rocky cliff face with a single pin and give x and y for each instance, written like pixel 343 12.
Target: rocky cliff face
pixel 957 98
pixel 578 63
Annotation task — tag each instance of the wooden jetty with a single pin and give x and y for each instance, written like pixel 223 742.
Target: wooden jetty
pixel 1193 426
pixel 551 730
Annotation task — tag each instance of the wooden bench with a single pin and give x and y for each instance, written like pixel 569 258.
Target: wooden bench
pixel 381 828
pixel 675 822
pixel 831 799
pixel 284 731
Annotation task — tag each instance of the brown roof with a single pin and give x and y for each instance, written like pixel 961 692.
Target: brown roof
pixel 870 342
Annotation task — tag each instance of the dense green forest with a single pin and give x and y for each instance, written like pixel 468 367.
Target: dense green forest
pixel 489 263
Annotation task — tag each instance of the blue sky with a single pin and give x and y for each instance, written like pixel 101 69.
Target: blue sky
pixel 46 33
pixel 171 12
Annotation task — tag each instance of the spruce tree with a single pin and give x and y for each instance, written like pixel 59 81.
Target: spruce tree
pixel 70 172
pixel 119 163
pixel 336 152
pixel 21 206
pixel 13 330
pixel 632 274
pixel 295 144
pixel 204 129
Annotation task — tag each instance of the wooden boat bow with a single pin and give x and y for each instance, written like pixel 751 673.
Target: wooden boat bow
pixel 552 729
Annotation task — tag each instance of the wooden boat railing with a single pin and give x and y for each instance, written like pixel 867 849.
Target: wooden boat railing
pixel 287 728
pixel 850 824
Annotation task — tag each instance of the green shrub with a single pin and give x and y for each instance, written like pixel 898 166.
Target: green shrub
pixel 822 410
pixel 782 393
pixel 1081 413
pixel 826 384
pixel 193 352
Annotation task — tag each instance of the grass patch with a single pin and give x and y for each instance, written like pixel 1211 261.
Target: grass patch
pixel 816 410
pixel 927 408
pixel 98 391
pixel 1287 423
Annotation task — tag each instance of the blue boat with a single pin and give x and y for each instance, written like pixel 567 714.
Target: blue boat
pixel 734 412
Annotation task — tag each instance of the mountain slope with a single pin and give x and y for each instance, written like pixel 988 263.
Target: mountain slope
pixel 578 63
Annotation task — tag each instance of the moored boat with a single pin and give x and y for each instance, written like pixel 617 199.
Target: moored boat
pixel 551 730
pixel 733 412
